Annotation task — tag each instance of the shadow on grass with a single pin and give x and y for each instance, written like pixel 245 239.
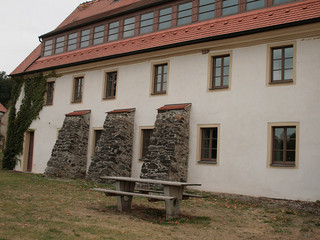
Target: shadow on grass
pixel 155 215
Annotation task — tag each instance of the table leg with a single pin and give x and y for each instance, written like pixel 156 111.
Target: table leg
pixel 173 206
pixel 124 202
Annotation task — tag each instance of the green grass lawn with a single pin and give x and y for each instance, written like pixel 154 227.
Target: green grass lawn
pixel 35 207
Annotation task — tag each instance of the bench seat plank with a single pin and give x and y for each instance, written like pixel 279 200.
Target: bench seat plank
pixel 123 193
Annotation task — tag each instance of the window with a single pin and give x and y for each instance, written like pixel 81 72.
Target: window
pixel 165 18
pixel 72 41
pixel 253 4
pixel 220 71
pixel 185 13
pixel 129 27
pixel 97 135
pixel 230 6
pixel 146 22
pixel 280 1
pixel 282 64
pixel 98 35
pixel 113 31
pixel 49 93
pixel 206 9
pixel 160 78
pixel 78 88
pixel 111 84
pixel 60 44
pixel 209 144
pixel 283 139
pixel 145 142
pixel 85 38
pixel 48 45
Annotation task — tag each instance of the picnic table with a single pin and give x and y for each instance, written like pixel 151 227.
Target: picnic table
pixel 125 189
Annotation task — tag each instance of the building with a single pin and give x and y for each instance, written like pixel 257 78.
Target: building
pixel 222 92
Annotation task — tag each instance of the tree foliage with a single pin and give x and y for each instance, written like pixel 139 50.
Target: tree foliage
pixel 5 88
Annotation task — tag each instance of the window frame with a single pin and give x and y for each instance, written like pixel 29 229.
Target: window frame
pixel 94 138
pixel 141 142
pixel 62 47
pixel 105 95
pixel 69 44
pixel 48 48
pixel 81 41
pixel 211 75
pixel 199 158
pixel 75 89
pixel 94 33
pixel 270 48
pixel 183 17
pixel 271 127
pixel 48 103
pixel 153 77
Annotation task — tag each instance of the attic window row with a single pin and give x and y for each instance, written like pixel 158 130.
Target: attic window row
pixel 179 14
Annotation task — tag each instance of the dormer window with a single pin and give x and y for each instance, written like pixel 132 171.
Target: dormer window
pixel 72 41
pixel 113 31
pixel 129 27
pixel 185 13
pixel 165 18
pixel 98 35
pixel 206 9
pixel 48 45
pixel 85 38
pixel 230 7
pixel 60 44
pixel 146 23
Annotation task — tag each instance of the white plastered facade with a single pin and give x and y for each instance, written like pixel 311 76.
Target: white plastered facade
pixel 243 112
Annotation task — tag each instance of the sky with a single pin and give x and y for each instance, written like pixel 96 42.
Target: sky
pixel 23 21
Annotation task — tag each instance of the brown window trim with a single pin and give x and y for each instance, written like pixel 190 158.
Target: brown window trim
pixel 76 88
pixel 47 96
pixel 284 149
pixel 221 86
pixel 210 158
pixel 162 81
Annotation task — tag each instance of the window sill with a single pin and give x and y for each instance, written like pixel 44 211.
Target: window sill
pixel 281 81
pixel 109 98
pixel 282 165
pixel 219 88
pixel 76 102
pixel 47 104
pixel 159 93
pixel 207 162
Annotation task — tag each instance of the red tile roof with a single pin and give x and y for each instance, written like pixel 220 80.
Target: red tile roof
pixel 2 108
pixel 122 110
pixel 78 113
pixel 174 107
pixel 264 19
pixel 99 9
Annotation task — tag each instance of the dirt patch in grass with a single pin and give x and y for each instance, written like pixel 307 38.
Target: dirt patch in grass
pixel 34 207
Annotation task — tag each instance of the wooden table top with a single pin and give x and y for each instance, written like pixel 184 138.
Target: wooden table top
pixel 143 180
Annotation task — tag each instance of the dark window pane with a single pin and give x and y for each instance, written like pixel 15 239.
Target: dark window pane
pixel 85 38
pixel 253 4
pixel 213 154
pixel 279 133
pixel 206 9
pixel 278 144
pixel 165 18
pixel 146 22
pixel 291 156
pixel 129 27
pixel 278 156
pixel 113 31
pixel 230 7
pixel 185 13
pixel 98 35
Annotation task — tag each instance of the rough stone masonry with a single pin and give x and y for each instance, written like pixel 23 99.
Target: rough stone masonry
pixel 113 155
pixel 167 156
pixel 69 154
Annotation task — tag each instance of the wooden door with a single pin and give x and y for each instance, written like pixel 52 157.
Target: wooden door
pixel 30 151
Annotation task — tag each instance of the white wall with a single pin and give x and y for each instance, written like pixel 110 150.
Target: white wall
pixel 243 113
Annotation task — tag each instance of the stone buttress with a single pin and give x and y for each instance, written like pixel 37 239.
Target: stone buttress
pixel 167 156
pixel 69 154
pixel 113 155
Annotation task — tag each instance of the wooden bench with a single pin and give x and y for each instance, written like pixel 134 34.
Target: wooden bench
pixel 125 189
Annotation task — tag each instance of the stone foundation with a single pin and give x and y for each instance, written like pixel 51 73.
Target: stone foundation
pixel 113 156
pixel 69 154
pixel 167 157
